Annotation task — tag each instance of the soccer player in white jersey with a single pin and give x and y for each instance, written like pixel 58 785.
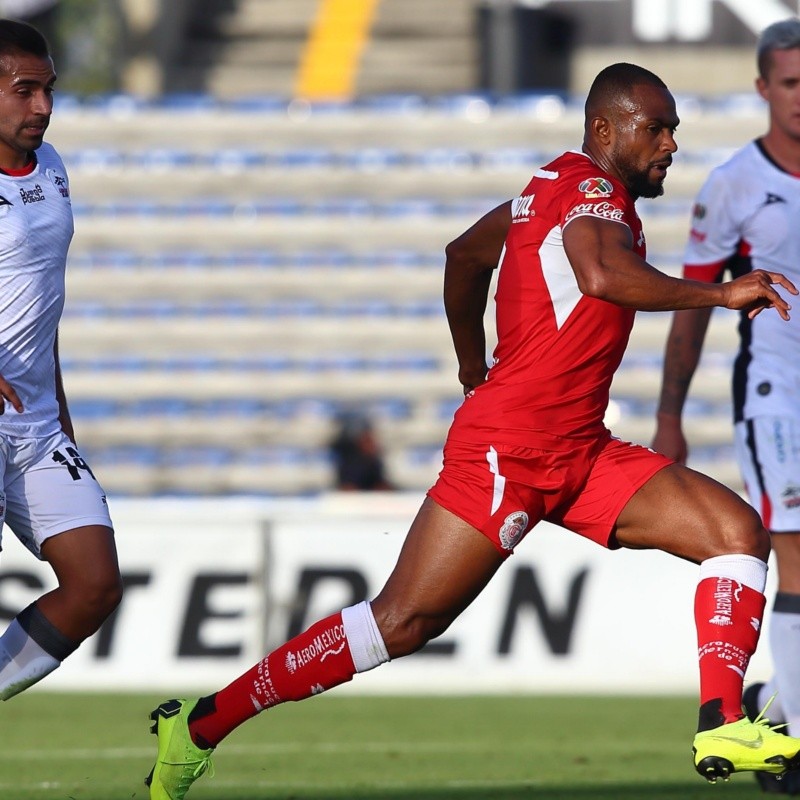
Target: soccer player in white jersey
pixel 49 497
pixel 746 217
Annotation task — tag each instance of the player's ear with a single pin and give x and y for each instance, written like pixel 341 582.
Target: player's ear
pixel 601 129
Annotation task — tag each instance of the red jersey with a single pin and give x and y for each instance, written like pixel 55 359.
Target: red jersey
pixel 557 349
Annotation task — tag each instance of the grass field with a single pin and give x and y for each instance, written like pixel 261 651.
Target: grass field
pixel 97 747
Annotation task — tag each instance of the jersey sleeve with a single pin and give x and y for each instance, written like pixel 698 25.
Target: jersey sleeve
pixel 594 196
pixel 715 232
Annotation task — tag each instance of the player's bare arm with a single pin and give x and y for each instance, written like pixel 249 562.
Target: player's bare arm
pixel 684 345
pixel 470 261
pixel 7 392
pixel 607 268
pixel 64 417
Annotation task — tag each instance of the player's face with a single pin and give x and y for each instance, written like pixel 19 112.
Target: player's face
pixel 781 90
pixel 644 140
pixel 26 102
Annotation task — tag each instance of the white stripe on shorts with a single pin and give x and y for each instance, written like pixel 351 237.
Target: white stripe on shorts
pixel 499 480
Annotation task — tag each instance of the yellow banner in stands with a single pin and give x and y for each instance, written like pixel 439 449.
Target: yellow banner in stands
pixel 329 63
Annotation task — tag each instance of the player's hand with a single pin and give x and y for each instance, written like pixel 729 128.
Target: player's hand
pixel 471 379
pixel 7 393
pixel 669 439
pixel 755 291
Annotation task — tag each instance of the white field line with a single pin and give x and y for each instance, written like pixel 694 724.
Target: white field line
pixel 320 748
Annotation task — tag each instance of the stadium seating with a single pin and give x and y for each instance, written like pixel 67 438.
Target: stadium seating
pixel 244 270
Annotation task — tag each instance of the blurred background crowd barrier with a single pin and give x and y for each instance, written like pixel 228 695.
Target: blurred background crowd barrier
pixel 263 192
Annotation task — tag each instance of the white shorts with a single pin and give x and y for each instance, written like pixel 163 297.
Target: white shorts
pixel 47 489
pixel 768 450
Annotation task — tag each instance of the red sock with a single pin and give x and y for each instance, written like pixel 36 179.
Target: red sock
pixel 728 618
pixel 315 660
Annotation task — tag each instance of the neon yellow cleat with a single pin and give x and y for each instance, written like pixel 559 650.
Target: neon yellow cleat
pixel 744 746
pixel 180 762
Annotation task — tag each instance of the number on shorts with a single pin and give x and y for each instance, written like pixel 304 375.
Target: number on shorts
pixel 73 462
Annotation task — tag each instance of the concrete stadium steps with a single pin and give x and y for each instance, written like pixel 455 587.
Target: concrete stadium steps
pixel 242 48
pixel 193 429
pixel 243 432
pixel 244 479
pixel 428 45
pixel 225 337
pixel 243 185
pixel 132 479
pixel 254 285
pixel 231 338
pixel 419 43
pixel 469 122
pixel 359 233
pixel 193 385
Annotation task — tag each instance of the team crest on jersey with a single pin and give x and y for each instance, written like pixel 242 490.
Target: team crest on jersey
pixel 59 181
pixel 513 529
pixel 5 206
pixel 521 210
pixel 699 211
pixel 596 187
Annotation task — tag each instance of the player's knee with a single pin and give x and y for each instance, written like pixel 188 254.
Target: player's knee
pixel 98 596
pixel 745 534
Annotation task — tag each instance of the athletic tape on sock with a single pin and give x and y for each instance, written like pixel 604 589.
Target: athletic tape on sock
pixel 367 647
pixel 45 634
pixel 747 570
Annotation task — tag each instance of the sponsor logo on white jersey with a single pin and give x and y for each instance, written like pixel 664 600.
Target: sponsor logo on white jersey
pixel 59 181
pixel 791 496
pixel 35 195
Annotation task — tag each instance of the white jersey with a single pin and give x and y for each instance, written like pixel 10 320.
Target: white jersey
pixel 36 228
pixel 746 217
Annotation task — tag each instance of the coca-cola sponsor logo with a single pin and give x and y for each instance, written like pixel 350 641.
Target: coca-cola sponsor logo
pixel 603 210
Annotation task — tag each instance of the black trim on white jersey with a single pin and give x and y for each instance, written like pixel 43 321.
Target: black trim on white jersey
pixel 739 265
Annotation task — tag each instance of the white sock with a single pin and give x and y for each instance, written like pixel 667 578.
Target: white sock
pixel 367 648
pixel 22 661
pixel 785 646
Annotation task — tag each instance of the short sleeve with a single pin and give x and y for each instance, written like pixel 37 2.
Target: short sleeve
pixel 715 232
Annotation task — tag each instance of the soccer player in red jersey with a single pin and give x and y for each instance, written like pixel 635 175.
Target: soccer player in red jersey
pixel 529 444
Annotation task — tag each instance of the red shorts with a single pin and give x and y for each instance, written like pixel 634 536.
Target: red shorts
pixel 503 490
